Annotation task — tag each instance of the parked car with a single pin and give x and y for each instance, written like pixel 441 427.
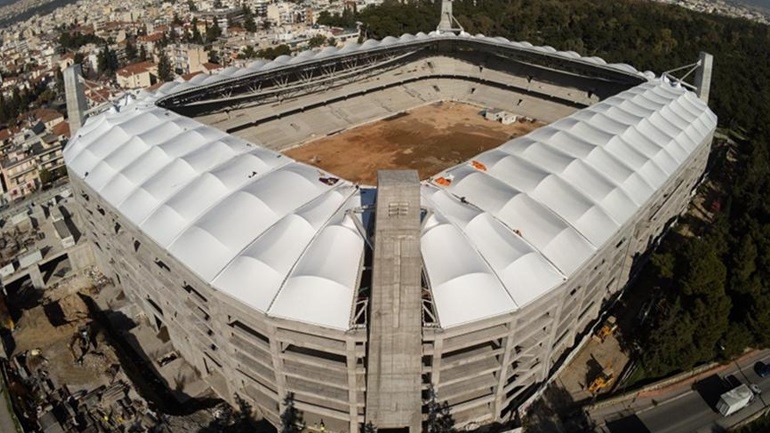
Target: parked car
pixel 762 369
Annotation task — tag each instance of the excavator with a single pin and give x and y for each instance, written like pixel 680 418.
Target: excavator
pixel 608 328
pixel 602 381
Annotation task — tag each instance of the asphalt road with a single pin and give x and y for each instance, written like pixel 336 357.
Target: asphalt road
pixel 694 410
pixel 11 209
pixel 7 423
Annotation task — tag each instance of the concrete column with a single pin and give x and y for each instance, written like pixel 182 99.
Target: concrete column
pixel 350 350
pixel 703 76
pixel 438 349
pixel 508 344
pixel 448 23
pixel 280 379
pixel 36 277
pixel 75 96
pixel 555 319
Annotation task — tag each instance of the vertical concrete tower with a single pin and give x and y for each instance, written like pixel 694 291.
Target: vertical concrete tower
pixel 393 398
pixel 703 76
pixel 448 23
pixel 76 98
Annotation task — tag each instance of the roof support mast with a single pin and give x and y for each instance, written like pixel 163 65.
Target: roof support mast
pixel 448 23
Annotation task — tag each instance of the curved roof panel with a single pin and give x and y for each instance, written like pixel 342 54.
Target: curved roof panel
pixel 566 188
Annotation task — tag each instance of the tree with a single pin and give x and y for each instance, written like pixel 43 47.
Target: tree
pixel 45 177
pixel 165 71
pixel 440 418
pixel 316 41
pixel 291 417
pixel 196 34
pixel 131 53
pixel 369 427
pixel 213 56
pixel 690 328
pixel 107 61
pixel 59 77
pixel 248 53
pixel 213 32
pixel 249 24
pixel 244 421
pixel 142 53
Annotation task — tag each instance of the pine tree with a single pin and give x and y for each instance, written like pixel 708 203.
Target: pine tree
pixel 165 73
pixel 213 32
pixel 291 417
pixel 130 51
pixel 440 418
pixel 249 24
pixel 369 427
pixel 244 422
pixel 4 115
pixel 196 34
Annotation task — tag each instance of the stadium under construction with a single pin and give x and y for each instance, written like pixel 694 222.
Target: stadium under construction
pixel 273 277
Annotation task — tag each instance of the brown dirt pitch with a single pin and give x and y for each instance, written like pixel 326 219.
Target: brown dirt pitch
pixel 427 139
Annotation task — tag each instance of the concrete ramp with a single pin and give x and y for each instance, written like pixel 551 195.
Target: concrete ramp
pixel 393 398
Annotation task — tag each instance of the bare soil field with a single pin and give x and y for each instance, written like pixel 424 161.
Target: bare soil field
pixel 427 139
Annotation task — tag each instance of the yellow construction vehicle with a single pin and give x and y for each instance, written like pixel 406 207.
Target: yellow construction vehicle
pixel 607 329
pixel 602 381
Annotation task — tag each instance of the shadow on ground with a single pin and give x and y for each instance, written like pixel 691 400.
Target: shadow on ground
pixel 629 424
pixel 139 367
pixel 556 411
pixel 710 389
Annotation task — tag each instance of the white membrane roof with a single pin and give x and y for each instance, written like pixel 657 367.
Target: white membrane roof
pixel 510 225
pixel 516 221
pixel 270 232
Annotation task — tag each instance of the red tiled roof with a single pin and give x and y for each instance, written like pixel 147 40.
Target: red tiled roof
pixel 187 77
pixel 62 128
pixel 152 37
pixel 46 114
pixel 135 68
pixel 211 66
pixel 5 134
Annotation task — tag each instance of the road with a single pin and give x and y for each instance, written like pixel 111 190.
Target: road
pixel 7 422
pixel 37 198
pixel 691 408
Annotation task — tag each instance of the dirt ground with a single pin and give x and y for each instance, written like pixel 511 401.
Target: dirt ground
pixel 36 330
pixel 429 139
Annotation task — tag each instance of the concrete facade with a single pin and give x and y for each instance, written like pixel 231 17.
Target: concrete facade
pixel 379 369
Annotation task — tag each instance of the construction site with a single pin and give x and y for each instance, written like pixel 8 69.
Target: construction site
pixel 428 139
pixel 72 359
